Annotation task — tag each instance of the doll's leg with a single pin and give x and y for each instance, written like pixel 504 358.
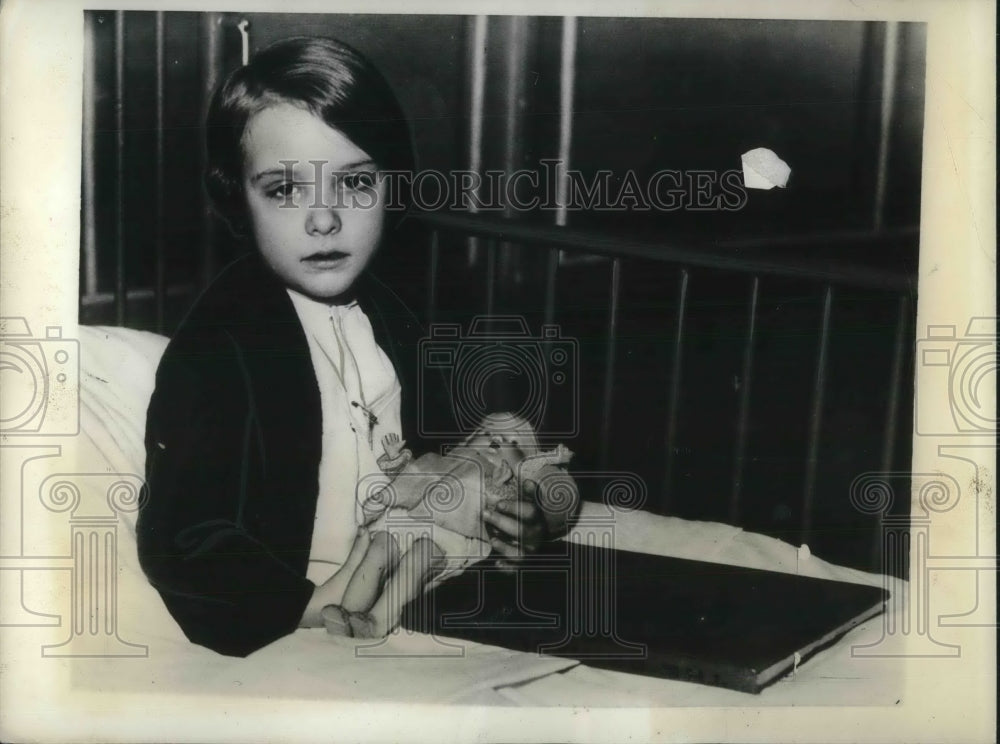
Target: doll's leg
pixel 366 581
pixel 416 568
pixel 362 543
pixel 381 557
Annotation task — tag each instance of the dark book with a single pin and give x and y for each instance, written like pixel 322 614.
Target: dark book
pixel 709 623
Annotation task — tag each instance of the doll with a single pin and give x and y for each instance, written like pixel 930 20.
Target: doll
pixel 447 498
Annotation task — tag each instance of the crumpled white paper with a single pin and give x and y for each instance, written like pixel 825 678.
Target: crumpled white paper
pixel 763 169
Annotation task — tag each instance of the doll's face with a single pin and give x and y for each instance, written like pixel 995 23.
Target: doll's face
pixel 498 445
pixel 317 218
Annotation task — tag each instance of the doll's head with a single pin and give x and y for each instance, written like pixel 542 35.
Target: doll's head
pixel 296 141
pixel 511 435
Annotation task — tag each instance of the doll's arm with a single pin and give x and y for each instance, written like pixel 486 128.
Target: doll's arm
pixel 545 480
pixel 396 457
pixel 555 492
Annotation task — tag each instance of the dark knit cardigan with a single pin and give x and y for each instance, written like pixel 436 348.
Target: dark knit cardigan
pixel 233 444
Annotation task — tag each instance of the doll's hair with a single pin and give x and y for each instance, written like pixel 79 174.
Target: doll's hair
pixel 323 76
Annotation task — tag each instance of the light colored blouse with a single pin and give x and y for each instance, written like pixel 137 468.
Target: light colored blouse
pixel 360 399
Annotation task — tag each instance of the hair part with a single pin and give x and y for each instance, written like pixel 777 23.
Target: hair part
pixel 326 77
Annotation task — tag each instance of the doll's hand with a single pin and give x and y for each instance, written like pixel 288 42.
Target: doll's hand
pixel 392 444
pixel 518 527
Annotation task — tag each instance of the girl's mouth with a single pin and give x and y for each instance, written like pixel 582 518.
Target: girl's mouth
pixel 326 259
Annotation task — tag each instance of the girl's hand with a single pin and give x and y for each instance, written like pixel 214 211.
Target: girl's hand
pixel 519 527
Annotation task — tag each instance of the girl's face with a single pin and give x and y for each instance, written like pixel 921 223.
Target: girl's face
pixel 317 217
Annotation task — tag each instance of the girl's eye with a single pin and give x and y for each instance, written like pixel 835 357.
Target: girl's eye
pixel 358 180
pixel 283 192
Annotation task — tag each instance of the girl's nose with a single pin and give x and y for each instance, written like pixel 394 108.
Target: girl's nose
pixel 323 221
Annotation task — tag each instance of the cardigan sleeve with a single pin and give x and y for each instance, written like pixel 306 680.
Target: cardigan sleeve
pixel 225 588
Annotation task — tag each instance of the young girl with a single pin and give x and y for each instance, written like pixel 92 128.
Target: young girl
pixel 272 395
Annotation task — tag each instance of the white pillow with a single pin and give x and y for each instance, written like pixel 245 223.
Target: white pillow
pixel 117 376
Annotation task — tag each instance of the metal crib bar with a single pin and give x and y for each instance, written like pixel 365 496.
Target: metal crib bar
pixel 120 289
pixel 892 411
pixel 211 29
pixel 160 286
pixel 609 364
pixel 895 378
pixel 890 58
pixel 744 412
pixel 816 416
pixel 675 390
pixel 89 185
pixel 567 83
pixel 476 29
pixel 754 256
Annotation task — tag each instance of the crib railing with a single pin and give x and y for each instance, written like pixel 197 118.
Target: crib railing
pixel 805 259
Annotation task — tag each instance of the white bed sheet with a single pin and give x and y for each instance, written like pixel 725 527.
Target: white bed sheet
pixel 117 368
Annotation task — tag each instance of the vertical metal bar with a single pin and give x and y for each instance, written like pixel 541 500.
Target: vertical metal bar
pixel 432 277
pixel 211 30
pixel 515 102
pixel 865 161
pixel 609 363
pixel 160 288
pixel 244 28
pixel 895 378
pixel 89 185
pixel 673 402
pixel 890 58
pixel 477 98
pixel 816 416
pixel 892 411
pixel 120 288
pixel 744 412
pixel 567 83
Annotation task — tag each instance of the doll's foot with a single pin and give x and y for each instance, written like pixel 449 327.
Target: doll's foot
pixel 336 621
pixel 340 622
pixel 363 625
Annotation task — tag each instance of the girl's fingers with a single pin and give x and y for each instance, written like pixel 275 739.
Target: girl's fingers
pixel 519 521
pixel 507 550
pixel 524 511
pixel 505 524
pixel 506 565
pixel 530 489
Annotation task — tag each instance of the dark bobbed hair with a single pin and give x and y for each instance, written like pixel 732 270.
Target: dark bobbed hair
pixel 323 76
